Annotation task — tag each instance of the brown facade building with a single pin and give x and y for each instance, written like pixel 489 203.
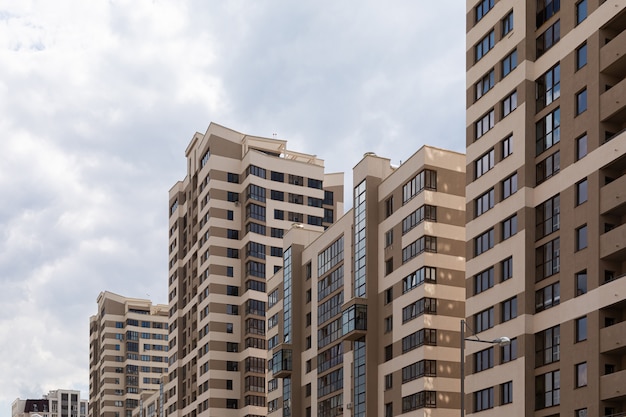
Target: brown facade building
pixel 227 220
pixel 364 317
pixel 546 239
pixel 128 353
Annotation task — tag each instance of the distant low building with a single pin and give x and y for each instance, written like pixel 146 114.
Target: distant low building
pixel 58 403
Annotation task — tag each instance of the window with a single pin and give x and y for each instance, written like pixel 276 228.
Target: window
pixel 388 324
pixel 581 375
pixel 425 212
pixel 277 176
pixel 484 124
pixel 546 9
pixel 483 281
pixel 547 216
pixel 485 84
pixel 548 38
pixel 257 171
pixel 581 283
pixel 581 56
pixel 583 413
pixel 507 23
pixel 547 390
pixel 509 186
pixel 232 177
pixel 507 146
pixel 507 268
pixel 484 163
pixel 422 306
pixel 548 87
pixel 388 409
pixel 277 195
pixel 482 8
pixel 230 215
pixel 483 320
pixel 484 242
pixel 509 309
pixel 389 207
pixel 418 277
pixel 388 381
pixel 279 214
pixel 483 360
pixel 388 352
pixel 581 192
pixel 509 63
pixel 388 295
pixel 314 183
pixel 547 259
pixel 425 180
pixel 419 369
pixel 388 238
pixel 509 104
pixel 547 297
pixel 581 238
pixel 296 179
pixel 485 202
pixel 419 338
pixel 548 131
pixel 581 11
pixel 421 245
pixel 549 167
pixel 422 399
pixel 388 266
pixel 506 393
pixel 483 399
pixel 548 346
pixel 581 147
pixel 581 102
pixel 581 329
pixel 509 352
pixel 509 227
pixel 485 45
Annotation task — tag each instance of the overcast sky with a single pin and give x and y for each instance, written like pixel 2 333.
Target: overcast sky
pixel 99 99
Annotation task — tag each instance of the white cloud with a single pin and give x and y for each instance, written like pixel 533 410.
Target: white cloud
pixel 100 99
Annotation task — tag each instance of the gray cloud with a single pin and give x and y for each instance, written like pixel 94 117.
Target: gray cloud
pixel 100 100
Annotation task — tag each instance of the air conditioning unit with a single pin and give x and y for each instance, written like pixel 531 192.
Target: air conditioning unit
pixel 349 406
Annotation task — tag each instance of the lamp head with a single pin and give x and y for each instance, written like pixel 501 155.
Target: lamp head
pixel 502 341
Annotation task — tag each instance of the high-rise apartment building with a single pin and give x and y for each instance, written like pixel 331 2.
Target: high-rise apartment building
pixel 128 353
pixel 227 220
pixel 57 403
pixel 546 154
pixel 364 317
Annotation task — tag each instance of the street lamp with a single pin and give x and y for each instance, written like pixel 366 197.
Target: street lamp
pixel 500 341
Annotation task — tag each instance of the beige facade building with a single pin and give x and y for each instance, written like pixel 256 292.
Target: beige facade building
pixel 227 220
pixel 57 403
pixel 546 154
pixel 128 353
pixel 364 317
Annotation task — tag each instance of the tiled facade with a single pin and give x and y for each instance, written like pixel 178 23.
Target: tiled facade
pixel 364 317
pixel 546 146
pixel 227 220
pixel 128 353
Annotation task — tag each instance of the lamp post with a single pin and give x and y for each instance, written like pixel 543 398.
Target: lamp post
pixel 501 341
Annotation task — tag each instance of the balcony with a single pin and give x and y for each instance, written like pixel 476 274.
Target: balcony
pixel 282 363
pixel 613 338
pixel 613 386
pixel 354 321
pixel 613 104
pixel 613 244
pixel 613 197
pixel 613 56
